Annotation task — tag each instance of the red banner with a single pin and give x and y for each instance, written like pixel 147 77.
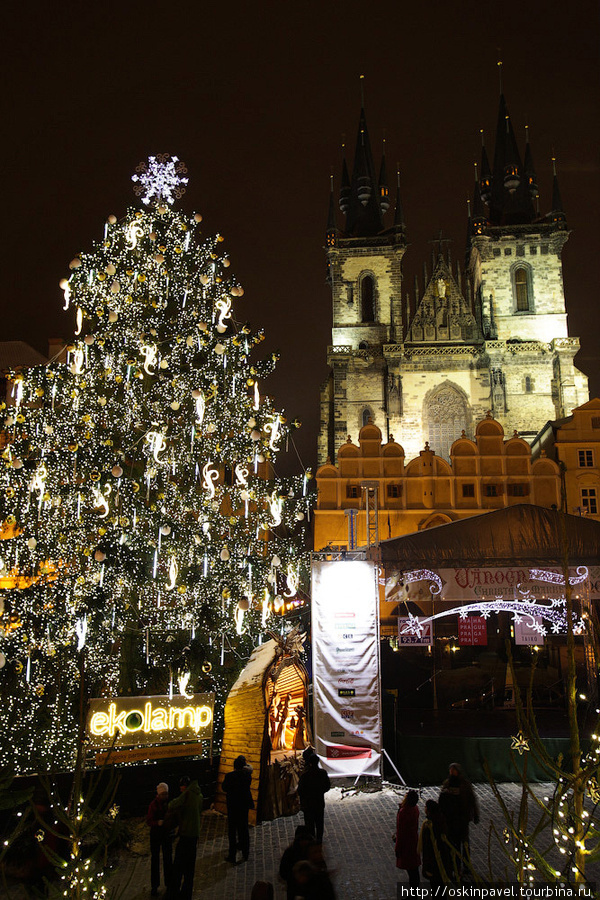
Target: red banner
pixel 472 631
pixel 341 752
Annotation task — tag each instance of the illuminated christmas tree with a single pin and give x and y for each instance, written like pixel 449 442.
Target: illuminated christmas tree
pixel 139 501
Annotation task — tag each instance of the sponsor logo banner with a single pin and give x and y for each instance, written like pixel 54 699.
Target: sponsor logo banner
pixel 524 634
pixel 472 631
pixel 345 621
pixel 408 638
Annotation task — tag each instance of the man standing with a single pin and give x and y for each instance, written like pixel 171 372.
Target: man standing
pixel 160 838
pixel 236 785
pixel 458 805
pixel 312 787
pixel 186 811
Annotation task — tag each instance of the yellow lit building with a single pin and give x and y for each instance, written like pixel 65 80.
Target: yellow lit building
pixel 484 474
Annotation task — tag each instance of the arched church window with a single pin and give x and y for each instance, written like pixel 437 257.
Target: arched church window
pixel 366 415
pixel 446 417
pixel 522 289
pixel 367 298
pixel 528 384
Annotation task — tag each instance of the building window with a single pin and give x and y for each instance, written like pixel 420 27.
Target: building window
pixel 352 491
pixel 517 490
pixel 528 384
pixel 586 459
pixel 367 298
pixel 595 421
pixel 589 501
pixel 394 491
pixel 522 289
pixel 446 417
pixel 468 490
pixel 491 490
pixel 366 416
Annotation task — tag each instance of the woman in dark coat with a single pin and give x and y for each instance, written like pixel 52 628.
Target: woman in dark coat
pixel 407 837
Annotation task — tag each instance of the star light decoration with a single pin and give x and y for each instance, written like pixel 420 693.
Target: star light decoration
pixel 161 179
pixel 519 743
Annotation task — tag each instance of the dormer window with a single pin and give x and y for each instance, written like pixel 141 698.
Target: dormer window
pixel 367 298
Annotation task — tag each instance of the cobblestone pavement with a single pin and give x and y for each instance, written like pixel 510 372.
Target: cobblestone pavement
pixel 357 846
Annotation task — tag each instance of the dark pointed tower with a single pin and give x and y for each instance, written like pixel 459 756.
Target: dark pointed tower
pixel 517 291
pixel 557 214
pixel 365 273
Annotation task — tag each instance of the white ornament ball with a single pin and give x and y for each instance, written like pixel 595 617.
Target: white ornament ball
pixel 9 420
pixel 206 527
pixel 49 429
pixel 203 326
pixel 2 660
pixel 89 339
pixel 255 435
pixel 211 428
pixel 272 578
pixel 162 209
pixel 112 220
pixel 115 287
pixel 164 363
pixel 101 401
pixel 204 279
pixel 165 529
pixel 175 405
pixel 299 516
pixel 276 561
pixel 17 463
pixel 117 471
pixel 196 393
pixel 159 258
pixel 220 349
pixel 221 329
pixel 75 263
pixel 197 218
pixel 110 269
pixel 113 316
pixel 63 283
pixel 225 554
pixel 251 423
pixel 244 604
pixel 226 263
pixel 198 538
pixel 153 235
pixel 32 543
pixel 260 458
pixel 245 495
pixel 189 341
pixel 99 556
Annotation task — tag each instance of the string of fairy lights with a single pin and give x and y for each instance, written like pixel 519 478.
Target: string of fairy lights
pixel 138 488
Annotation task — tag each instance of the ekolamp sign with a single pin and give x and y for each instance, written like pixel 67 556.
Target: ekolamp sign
pixel 143 721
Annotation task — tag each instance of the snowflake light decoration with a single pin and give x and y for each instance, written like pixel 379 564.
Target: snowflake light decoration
pixel 160 179
pixel 519 743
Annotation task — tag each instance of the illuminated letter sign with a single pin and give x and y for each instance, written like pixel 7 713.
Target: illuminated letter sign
pixel 142 721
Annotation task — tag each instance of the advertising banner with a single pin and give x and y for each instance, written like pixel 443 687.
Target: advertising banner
pixel 407 638
pixel 471 585
pixel 346 682
pixel 472 631
pixel 524 634
pixel 142 721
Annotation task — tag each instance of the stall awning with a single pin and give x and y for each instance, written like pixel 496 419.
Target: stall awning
pixel 525 534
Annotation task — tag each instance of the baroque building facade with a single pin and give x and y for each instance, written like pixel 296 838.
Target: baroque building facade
pixel 494 340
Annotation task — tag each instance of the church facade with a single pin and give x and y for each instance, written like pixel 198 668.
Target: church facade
pixel 492 339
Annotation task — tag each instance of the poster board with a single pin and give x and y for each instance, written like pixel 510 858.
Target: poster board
pixel 346 678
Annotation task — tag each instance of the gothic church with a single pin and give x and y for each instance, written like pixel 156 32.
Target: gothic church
pixel 495 341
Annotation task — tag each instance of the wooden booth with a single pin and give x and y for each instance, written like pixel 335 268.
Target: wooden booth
pixel 266 721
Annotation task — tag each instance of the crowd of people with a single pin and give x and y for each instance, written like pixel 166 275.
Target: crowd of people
pixel 438 850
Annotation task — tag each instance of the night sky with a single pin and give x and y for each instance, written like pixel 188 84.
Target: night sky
pixel 255 99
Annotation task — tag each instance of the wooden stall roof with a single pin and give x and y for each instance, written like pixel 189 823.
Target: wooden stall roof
pixel 245 712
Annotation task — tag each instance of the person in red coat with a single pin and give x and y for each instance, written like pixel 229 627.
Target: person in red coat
pixel 407 838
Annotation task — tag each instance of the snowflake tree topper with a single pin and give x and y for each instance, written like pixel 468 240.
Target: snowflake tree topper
pixel 160 179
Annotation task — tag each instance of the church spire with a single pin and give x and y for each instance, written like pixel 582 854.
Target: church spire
pixel 364 215
pixel 345 186
pixel 529 168
pixel 557 215
pixel 331 233
pixel 510 201
pixel 384 191
pixel 485 182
